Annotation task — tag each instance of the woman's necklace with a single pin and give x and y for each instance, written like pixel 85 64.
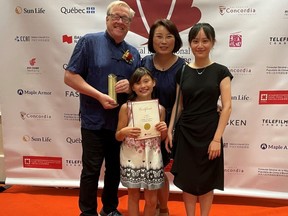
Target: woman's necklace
pixel 200 72
pixel 199 66
pixel 168 63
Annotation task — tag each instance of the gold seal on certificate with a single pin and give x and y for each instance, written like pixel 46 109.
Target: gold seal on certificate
pixel 112 79
pixel 147 126
pixel 145 116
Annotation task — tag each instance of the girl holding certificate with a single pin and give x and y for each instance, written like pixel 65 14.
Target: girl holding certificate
pixel 140 156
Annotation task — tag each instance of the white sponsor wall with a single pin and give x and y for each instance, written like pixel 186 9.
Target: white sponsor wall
pixel 41 135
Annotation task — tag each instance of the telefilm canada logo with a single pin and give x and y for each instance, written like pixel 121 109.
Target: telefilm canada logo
pixel 273 97
pixel 73 162
pixel 278 40
pixel 268 122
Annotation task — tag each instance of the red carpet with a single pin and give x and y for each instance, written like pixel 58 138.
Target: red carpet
pixel 48 201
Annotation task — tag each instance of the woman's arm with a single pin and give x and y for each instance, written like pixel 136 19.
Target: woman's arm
pixel 162 126
pixel 168 141
pixel 215 145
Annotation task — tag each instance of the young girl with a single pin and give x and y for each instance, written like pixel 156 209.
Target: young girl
pixel 141 160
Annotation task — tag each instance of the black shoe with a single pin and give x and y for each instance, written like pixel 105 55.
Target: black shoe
pixel 114 213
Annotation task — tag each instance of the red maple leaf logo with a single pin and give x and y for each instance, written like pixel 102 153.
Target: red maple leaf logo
pixel 181 12
pixel 67 39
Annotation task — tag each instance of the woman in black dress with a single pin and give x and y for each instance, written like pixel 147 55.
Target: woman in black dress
pixel 198 166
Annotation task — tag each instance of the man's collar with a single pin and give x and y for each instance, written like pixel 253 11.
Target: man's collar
pixel 112 39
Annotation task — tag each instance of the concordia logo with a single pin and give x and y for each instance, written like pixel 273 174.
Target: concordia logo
pixel 236 10
pixel 35 116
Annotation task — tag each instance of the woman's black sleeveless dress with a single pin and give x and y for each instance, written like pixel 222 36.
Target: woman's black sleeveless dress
pixel 193 172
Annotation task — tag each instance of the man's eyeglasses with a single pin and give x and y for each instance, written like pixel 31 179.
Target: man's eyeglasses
pixel 116 17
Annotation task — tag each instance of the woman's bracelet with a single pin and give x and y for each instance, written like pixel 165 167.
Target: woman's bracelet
pixel 216 141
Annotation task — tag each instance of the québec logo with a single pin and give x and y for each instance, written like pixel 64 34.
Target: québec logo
pixel 75 10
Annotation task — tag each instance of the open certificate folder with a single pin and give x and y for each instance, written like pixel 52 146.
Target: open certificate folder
pixel 145 116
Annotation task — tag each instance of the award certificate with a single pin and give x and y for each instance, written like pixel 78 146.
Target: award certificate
pixel 145 116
